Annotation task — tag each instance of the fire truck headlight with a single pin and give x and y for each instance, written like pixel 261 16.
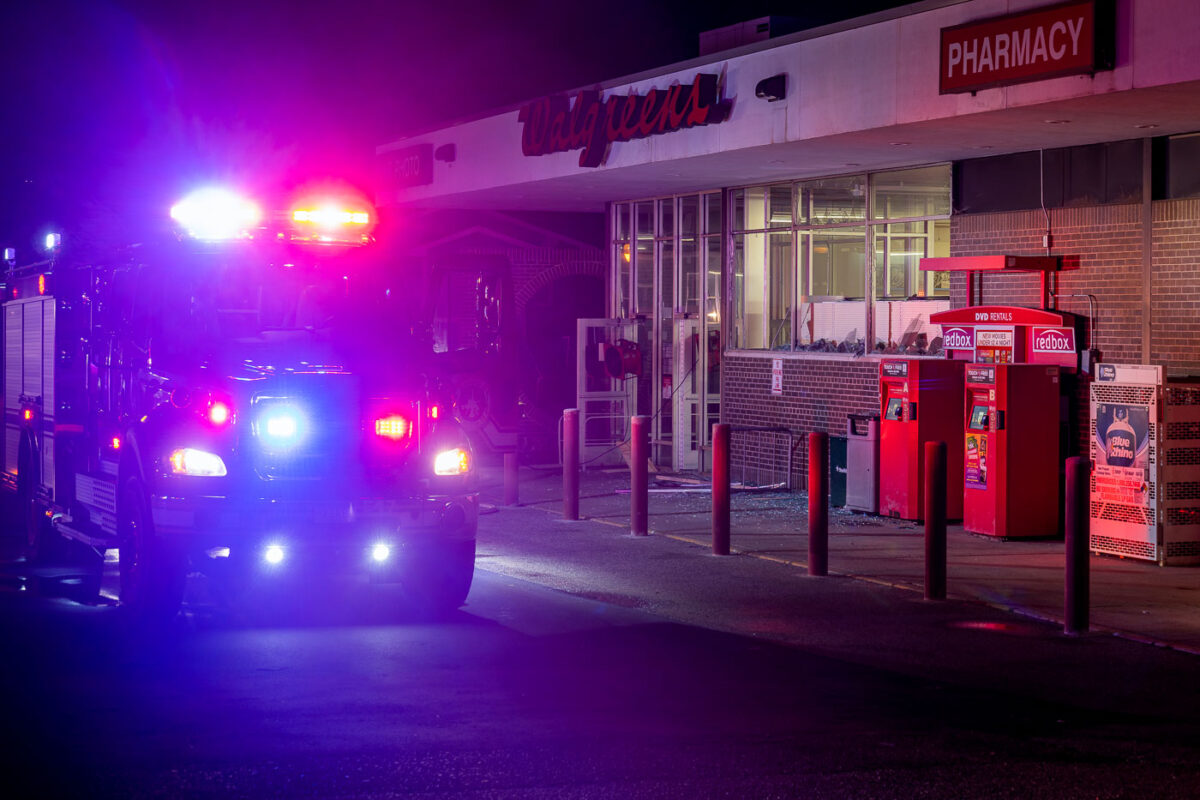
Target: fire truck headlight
pixel 380 553
pixel 188 461
pixel 452 462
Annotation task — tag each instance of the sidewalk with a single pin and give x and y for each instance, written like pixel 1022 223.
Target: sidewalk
pixel 1133 599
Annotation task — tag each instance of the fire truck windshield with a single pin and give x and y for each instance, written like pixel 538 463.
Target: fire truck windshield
pixel 209 301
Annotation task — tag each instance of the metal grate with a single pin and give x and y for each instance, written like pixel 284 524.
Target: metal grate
pixel 1182 395
pixel 1182 430
pixel 1183 516
pixel 762 456
pixel 1181 490
pixel 1121 393
pixel 1182 549
pixel 1119 512
pixel 1123 547
pixel 1182 456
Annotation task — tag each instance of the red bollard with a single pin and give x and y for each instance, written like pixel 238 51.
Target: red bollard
pixel 1077 587
pixel 935 520
pixel 720 489
pixel 571 463
pixel 639 476
pixel 818 503
pixel 511 476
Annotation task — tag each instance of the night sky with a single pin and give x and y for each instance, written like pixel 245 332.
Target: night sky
pixel 112 108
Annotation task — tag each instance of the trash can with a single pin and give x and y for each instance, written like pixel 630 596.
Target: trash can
pixel 862 462
pixel 837 471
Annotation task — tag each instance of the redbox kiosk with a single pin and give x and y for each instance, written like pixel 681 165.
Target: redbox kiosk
pixel 920 400
pixel 1010 450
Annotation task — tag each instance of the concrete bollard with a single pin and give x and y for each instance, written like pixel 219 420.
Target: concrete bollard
pixel 512 492
pixel 720 489
pixel 639 477
pixel 1076 589
pixel 571 463
pixel 818 503
pixel 935 520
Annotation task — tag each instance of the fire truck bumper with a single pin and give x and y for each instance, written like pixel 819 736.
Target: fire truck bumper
pixel 218 525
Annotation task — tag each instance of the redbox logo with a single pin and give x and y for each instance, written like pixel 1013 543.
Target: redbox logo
pixel 958 339
pixel 1053 340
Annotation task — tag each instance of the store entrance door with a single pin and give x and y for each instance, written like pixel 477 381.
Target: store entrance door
pixel 685 396
pixel 605 402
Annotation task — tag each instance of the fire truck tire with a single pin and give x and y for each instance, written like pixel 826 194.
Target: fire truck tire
pixel 152 572
pixel 437 580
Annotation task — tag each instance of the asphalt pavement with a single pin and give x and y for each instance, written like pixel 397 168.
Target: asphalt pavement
pixel 592 664
pixel 1129 598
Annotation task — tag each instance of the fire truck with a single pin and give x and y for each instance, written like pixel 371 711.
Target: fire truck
pixel 241 399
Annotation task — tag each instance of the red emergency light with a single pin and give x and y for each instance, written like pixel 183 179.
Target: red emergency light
pixel 394 427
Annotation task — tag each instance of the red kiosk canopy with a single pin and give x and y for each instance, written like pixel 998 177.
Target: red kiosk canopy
pixel 998 264
pixel 1002 315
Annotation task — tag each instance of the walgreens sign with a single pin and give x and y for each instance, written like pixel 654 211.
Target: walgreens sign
pixel 1068 39
pixel 1052 340
pixel 591 123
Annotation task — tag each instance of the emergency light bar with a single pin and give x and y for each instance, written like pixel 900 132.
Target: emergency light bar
pixel 330 217
pixel 216 214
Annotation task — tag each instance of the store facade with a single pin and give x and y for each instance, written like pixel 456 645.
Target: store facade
pixel 768 207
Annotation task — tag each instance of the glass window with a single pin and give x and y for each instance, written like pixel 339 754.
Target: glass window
pixel 645 220
pixel 713 213
pixel 689 276
pixel 666 277
pixel 836 201
pixel 622 214
pixel 644 277
pixel 623 258
pixel 832 313
pixel 749 290
pixel 689 215
pixel 666 217
pixel 750 209
pixel 835 265
pixel 779 200
pixel 923 192
pixel 781 291
pixel 712 281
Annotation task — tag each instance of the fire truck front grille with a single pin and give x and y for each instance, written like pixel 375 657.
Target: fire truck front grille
pixel 308 435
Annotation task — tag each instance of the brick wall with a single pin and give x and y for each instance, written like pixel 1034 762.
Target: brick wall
pixel 818 393
pixel 1175 287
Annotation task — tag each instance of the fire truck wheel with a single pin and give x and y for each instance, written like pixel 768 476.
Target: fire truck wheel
pixel 437 580
pixel 152 573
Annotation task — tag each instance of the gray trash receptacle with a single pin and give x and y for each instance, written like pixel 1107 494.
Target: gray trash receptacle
pixel 837 471
pixel 862 462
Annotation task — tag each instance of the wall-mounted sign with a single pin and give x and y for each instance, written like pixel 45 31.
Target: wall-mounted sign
pixel 895 369
pixel 777 376
pixel 993 338
pixel 1071 38
pixel 590 123
pixel 958 338
pixel 1052 340
pixel 410 166
pixel 976 374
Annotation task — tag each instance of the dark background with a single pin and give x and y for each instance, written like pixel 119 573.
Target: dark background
pixel 112 109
